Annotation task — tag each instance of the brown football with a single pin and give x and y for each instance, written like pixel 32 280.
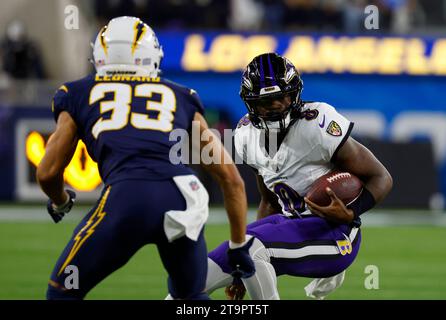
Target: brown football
pixel 345 185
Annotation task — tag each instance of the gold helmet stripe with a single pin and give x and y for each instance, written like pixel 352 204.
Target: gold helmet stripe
pixel 139 29
pixel 102 39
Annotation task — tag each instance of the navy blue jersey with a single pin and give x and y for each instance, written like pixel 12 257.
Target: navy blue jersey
pixel 125 122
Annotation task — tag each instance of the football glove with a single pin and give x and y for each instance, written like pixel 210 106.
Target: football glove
pixel 57 213
pixel 236 290
pixel 240 261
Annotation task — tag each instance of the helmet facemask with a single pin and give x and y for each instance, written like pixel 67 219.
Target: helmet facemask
pixel 274 120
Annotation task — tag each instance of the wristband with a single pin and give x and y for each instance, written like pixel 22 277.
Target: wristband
pixel 364 202
pixel 63 206
pixel 235 245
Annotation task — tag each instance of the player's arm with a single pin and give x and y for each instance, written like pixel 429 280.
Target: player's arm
pixel 357 159
pixel 224 171
pixel 227 176
pixel 377 183
pixel 268 202
pixel 59 151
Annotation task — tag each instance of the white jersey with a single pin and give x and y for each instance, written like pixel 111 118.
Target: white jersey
pixel 304 155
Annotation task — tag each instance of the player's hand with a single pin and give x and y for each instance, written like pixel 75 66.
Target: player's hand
pixel 236 290
pixel 336 211
pixel 241 262
pixel 58 212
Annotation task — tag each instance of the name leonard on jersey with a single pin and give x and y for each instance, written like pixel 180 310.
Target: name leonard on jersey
pixel 119 77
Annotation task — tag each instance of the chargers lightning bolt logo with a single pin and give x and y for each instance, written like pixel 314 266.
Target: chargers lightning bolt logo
pixel 102 39
pixel 139 29
pixel 87 230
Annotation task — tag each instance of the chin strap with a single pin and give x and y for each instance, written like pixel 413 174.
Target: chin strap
pixel 260 123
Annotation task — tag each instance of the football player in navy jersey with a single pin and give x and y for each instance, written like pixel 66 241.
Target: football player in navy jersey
pixel 124 114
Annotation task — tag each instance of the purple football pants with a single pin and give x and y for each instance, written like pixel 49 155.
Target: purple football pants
pixel 303 247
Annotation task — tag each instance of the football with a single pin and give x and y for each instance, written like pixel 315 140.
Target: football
pixel 345 185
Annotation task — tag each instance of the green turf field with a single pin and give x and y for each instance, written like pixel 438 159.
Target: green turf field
pixel 411 262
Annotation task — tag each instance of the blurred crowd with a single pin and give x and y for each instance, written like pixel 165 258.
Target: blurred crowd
pixel 20 57
pixel 270 15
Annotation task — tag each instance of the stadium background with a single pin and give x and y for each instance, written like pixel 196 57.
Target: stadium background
pixel 389 81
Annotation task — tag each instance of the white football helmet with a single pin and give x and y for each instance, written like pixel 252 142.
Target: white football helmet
pixel 126 45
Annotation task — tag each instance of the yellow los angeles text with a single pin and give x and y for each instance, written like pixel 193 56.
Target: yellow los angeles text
pixel 359 55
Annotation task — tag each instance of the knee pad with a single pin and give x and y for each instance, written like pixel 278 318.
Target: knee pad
pixel 258 251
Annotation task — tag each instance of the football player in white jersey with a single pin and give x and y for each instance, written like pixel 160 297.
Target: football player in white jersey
pixel 291 143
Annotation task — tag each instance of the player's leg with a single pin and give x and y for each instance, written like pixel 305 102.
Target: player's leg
pixel 261 286
pixel 104 240
pixel 319 288
pixel 214 270
pixel 296 247
pixel 219 256
pixel 186 262
pixel 181 245
pixel 310 247
pixel 216 277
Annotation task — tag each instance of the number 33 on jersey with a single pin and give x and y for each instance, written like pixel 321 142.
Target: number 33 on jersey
pixel 134 115
pixel 121 106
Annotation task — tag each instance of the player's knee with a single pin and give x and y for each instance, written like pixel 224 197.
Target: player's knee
pixel 54 293
pixel 220 257
pixel 258 251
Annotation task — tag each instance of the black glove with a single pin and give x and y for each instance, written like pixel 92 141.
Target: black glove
pixel 57 213
pixel 241 262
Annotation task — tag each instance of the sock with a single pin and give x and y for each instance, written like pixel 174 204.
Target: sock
pixel 263 284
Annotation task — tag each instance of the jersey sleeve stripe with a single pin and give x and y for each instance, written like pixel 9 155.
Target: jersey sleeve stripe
pixel 350 128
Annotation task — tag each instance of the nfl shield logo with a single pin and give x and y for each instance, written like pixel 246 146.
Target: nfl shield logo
pixel 194 185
